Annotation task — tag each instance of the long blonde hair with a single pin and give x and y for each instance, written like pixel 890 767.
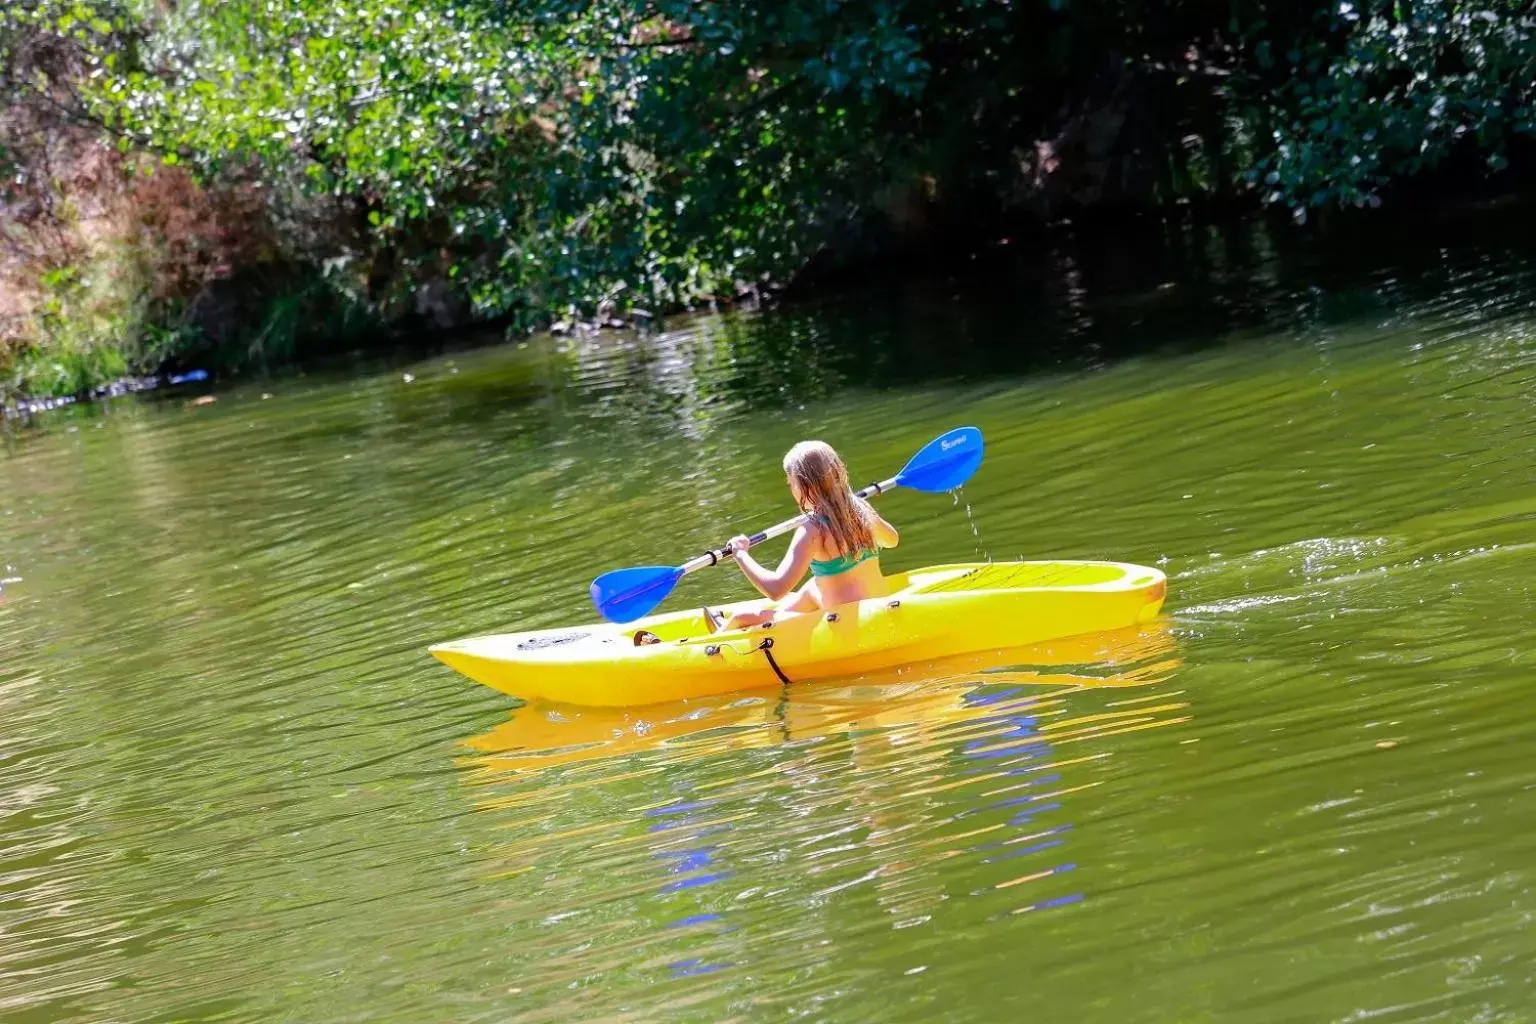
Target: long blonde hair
pixel 818 475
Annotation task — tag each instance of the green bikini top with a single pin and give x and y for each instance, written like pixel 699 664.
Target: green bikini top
pixel 842 563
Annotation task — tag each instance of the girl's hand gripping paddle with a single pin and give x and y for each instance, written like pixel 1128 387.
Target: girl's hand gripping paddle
pixel 943 464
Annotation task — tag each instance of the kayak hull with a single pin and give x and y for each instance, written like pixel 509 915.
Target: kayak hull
pixel 924 696
pixel 927 614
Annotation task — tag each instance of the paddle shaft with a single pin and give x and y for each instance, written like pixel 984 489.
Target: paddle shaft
pixel 942 464
pixel 718 555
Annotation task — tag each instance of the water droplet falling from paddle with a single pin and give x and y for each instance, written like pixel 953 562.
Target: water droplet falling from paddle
pixel 970 516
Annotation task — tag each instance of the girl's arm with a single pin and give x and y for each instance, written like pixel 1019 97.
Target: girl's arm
pixel 885 534
pixel 775 583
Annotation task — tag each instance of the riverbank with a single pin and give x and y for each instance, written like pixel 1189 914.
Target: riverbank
pixel 1082 289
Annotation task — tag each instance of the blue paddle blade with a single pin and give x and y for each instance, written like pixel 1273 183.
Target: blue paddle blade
pixel 945 463
pixel 625 595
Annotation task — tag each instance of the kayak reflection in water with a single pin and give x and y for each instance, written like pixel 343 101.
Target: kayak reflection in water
pixel 840 545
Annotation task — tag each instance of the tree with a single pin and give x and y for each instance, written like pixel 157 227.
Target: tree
pixel 1389 89
pixel 529 161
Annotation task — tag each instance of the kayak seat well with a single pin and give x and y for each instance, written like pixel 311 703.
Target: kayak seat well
pixel 688 626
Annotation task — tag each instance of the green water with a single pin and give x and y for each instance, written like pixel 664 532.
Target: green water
pixel 233 785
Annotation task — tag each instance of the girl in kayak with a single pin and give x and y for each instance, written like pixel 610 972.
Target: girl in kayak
pixel 840 545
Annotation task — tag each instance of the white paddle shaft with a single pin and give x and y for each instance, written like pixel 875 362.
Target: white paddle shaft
pixel 719 555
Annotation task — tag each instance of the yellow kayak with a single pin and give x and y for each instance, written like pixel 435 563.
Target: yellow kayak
pixel 927 614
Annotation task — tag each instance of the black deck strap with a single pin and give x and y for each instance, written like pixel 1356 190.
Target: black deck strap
pixel 767 648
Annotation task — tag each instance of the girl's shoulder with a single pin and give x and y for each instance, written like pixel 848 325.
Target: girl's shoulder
pixel 868 509
pixel 819 529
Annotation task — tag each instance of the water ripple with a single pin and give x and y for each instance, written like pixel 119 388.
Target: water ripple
pixel 233 786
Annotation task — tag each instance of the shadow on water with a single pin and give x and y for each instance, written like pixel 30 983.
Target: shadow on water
pixel 1061 302
pixel 1067 304
pixel 1080 303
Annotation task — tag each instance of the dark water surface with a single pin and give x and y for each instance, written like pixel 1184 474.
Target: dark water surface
pixel 233 786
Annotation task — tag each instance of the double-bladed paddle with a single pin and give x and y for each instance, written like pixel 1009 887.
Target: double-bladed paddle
pixel 943 464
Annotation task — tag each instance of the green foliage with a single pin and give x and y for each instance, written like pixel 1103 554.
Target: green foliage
pixel 81 324
pixel 1390 89
pixel 556 157
pixel 577 155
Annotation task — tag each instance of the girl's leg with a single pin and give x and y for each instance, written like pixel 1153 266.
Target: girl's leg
pixel 741 620
pixel 806 599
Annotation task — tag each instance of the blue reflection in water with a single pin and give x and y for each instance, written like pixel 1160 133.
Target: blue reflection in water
pixel 1026 759
pixel 677 808
pixel 693 883
pixel 1037 848
pixel 694 966
pixel 981 698
pixel 685 815
pixel 1019 801
pixel 1028 814
pixel 688 860
pixel 1055 901
pixel 687 922
pixel 1011 747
